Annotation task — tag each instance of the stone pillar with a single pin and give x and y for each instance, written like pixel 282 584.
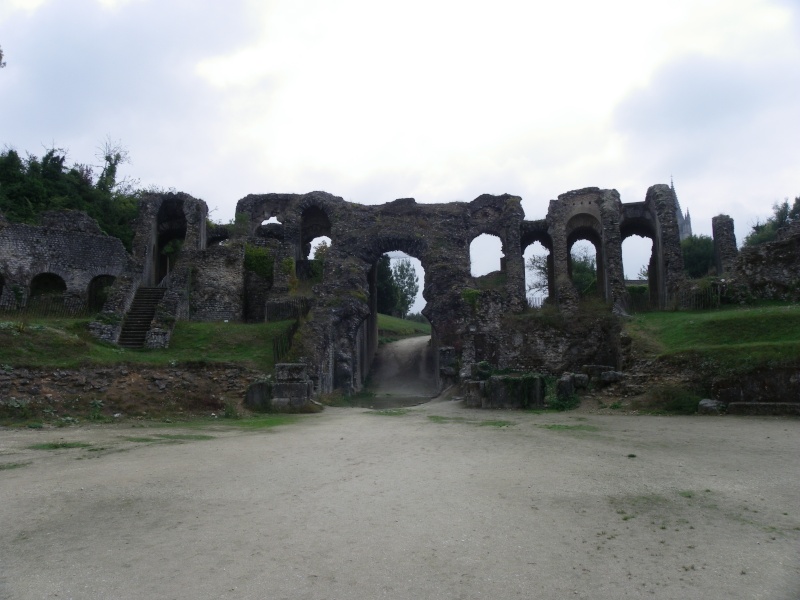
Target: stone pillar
pixel 661 199
pixel 613 280
pixel 724 244
pixel 565 293
pixel 514 265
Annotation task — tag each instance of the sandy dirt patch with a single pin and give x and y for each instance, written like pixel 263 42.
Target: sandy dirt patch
pixel 434 502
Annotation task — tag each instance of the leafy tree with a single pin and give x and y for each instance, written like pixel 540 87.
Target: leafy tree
pixel 584 272
pixel 405 277
pixel 782 214
pixel 698 255
pixel 387 291
pixel 2 63
pixel 30 186
pixel 537 265
pixel 321 251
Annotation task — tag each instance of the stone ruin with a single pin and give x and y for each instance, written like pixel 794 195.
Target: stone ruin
pixel 199 272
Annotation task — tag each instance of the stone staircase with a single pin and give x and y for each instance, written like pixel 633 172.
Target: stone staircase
pixel 137 321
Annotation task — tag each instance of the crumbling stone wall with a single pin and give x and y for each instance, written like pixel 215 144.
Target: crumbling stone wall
pixel 69 245
pixel 466 313
pixel 725 251
pixel 770 271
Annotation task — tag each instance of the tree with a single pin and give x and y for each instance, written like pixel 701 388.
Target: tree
pixel 537 266
pixel 584 272
pixel 405 277
pixel 321 251
pixel 386 288
pixel 782 215
pixel 31 186
pixel 698 255
pixel 2 63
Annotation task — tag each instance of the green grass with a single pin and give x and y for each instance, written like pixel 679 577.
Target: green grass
pixel 390 412
pixel 13 465
pixel 184 436
pixel 66 343
pixel 560 427
pixel 732 340
pixel 59 445
pixel 478 422
pixel 260 421
pixel 392 327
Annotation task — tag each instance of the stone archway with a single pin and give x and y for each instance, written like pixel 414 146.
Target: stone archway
pixel 585 226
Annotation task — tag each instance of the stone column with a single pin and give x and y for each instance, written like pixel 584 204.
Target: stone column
pixel 614 280
pixel 565 293
pixel 661 199
pixel 724 244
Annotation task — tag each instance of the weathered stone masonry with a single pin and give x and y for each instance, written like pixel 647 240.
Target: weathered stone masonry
pixel 68 246
pixel 201 269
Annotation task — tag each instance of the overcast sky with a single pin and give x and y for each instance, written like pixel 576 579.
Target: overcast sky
pixel 439 100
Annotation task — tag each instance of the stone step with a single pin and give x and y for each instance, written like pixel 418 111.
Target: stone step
pixel 140 316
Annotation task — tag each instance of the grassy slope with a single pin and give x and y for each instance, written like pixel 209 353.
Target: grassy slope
pixel 66 343
pixel 397 328
pixel 737 339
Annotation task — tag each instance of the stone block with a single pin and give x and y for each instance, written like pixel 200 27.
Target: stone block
pixel 710 407
pixel 607 377
pixel 581 381
pixel 291 372
pixel 565 386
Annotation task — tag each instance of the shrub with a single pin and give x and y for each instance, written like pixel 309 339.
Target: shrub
pixel 259 260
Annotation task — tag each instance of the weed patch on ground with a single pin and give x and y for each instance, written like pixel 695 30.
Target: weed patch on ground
pixel 390 412
pixel 478 422
pixel 13 465
pixel 561 427
pixel 59 445
pixel 184 436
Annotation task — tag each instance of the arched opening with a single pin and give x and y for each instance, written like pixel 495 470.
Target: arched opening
pixel 584 268
pixel 273 220
pixel 538 273
pixel 585 259
pixel 315 238
pixel 319 246
pixel 403 371
pixel 171 233
pixel 487 261
pixel 400 281
pixel 97 293
pixel 47 285
pixel 314 223
pixel 47 293
pixel 637 252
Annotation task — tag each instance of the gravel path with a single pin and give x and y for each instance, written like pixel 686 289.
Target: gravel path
pixel 435 502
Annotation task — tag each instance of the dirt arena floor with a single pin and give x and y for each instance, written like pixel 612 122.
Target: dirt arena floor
pixel 434 502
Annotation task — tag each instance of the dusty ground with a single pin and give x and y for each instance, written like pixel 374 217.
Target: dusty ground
pixel 434 502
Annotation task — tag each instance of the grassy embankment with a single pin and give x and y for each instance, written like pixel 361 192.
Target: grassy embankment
pixel 734 340
pixel 66 343
pixel 713 345
pixel 391 329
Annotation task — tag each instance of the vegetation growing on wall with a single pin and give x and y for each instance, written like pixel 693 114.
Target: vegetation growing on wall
pixel 31 186
pixel 782 215
pixel 259 260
